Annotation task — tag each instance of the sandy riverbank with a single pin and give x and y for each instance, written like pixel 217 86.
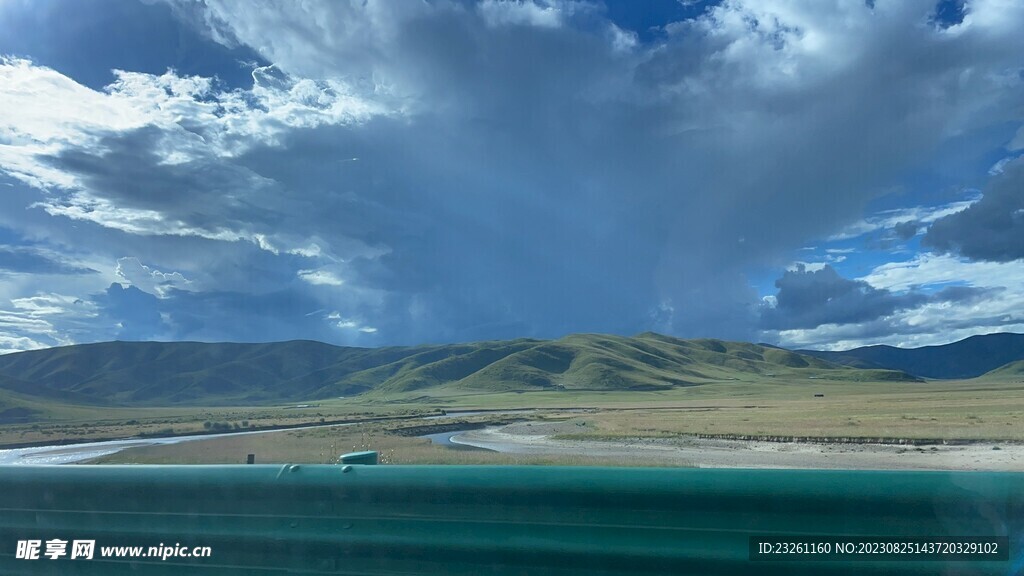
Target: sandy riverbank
pixel 538 438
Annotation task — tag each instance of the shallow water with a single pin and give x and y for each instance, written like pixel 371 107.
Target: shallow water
pixel 68 454
pixel 445 439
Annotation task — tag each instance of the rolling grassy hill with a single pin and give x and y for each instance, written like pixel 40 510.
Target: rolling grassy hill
pixel 967 358
pixel 1011 370
pixel 190 373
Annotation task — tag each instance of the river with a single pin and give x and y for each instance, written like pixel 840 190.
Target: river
pixel 71 453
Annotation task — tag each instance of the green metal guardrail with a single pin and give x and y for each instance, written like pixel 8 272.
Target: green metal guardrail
pixel 472 520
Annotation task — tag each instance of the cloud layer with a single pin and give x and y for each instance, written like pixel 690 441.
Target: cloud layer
pixel 993 228
pixel 410 172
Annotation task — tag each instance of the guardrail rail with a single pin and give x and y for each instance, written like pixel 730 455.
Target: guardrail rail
pixel 473 520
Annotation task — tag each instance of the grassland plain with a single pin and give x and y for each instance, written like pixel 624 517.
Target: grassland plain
pixel 89 424
pixel 983 408
pixel 978 409
pixel 648 386
pixel 983 411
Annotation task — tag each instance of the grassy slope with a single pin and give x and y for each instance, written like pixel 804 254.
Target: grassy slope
pixel 647 362
pixel 1007 371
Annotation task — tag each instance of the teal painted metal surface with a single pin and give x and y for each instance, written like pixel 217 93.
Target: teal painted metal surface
pixel 470 520
pixel 368 457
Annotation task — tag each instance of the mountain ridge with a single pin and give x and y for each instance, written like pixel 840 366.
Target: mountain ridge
pixel 195 373
pixel 968 358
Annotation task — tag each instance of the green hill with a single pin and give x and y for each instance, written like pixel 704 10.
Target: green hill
pixel 192 373
pixel 1011 370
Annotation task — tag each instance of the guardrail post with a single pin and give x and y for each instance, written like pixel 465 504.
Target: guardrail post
pixel 368 457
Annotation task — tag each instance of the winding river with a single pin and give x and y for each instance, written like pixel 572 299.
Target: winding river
pixel 71 453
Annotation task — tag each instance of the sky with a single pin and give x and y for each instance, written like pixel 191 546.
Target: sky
pixel 806 173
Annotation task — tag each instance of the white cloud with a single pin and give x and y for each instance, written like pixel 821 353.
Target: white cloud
pixel 10 344
pixel 890 218
pixel 519 12
pixel 320 277
pixel 783 45
pixel 1018 141
pixel 831 257
pixel 808 266
pixel 135 273
pixel 80 205
pixel 997 17
pixel 195 119
pixel 45 304
pixel 228 122
pixel 339 321
pixel 43 320
pixel 934 269
pixel 1001 308
pixel 623 40
pixel 997 168
pixel 847 336
pixel 54 109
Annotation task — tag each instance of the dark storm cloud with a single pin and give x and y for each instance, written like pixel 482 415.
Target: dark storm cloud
pixel 965 294
pixel 808 299
pixel 531 172
pixel 488 244
pixel 547 182
pixel 906 230
pixel 214 316
pixel 991 229
pixel 131 313
pixel 201 195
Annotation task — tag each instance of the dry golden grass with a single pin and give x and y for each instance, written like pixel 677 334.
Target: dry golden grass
pixel 324 445
pixel 118 423
pixel 950 416
pixel 973 410
pixel 948 410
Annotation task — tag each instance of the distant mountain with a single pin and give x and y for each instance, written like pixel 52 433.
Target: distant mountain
pixel 967 358
pixel 191 373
